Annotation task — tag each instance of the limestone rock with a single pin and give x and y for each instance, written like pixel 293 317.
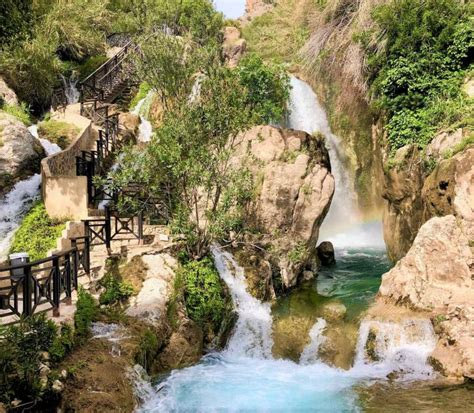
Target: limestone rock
pixel 233 46
pixel 255 8
pixel 184 348
pixel 129 124
pixel 7 94
pixel 403 212
pixel 294 185
pixel 20 152
pixel 57 386
pixel 436 272
pixel 442 143
pixel 326 253
pixel 334 311
pixel 150 303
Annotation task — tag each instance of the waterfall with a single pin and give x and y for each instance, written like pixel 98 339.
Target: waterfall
pixel 343 224
pixel 70 89
pixel 19 200
pixel 401 347
pixel 141 109
pixel 310 352
pixel 253 332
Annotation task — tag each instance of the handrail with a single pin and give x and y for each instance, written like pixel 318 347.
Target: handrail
pixel 38 262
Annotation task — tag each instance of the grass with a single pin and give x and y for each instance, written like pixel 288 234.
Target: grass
pixel 60 133
pixel 37 233
pixel 279 34
pixel 143 90
pixel 18 111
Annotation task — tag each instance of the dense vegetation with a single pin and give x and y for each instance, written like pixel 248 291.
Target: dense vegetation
pixel 37 233
pixel 419 73
pixel 30 348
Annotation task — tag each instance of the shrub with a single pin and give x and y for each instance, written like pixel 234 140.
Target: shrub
pixel 116 290
pixel 21 346
pixel 60 133
pixel 143 90
pixel 20 112
pixel 37 233
pixel 418 75
pixel 203 293
pixel 90 65
pixel 86 314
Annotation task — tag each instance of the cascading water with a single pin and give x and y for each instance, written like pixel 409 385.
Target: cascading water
pixel 19 200
pixel 343 224
pixel 70 88
pixel 246 377
pixel 141 109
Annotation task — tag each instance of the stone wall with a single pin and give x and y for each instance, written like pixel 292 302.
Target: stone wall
pixel 65 194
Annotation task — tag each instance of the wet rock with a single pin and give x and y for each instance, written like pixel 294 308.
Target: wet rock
pixel 326 253
pixel 308 275
pixel 371 345
pixel 233 46
pixel 20 152
pixel 129 129
pixel 338 348
pixel 334 311
pixel 185 347
pixel 403 213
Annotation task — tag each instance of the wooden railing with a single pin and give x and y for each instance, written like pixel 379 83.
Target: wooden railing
pixel 43 285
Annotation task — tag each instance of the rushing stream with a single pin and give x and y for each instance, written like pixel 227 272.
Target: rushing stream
pixel 19 200
pixel 253 373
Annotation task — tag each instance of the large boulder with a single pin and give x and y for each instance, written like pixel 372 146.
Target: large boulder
pixel 20 152
pixel 7 94
pixel 403 211
pixel 294 189
pixel 233 46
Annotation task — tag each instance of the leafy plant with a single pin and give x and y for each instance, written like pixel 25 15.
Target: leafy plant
pixel 86 314
pixel 147 349
pixel 20 112
pixel 298 253
pixel 203 293
pixel 37 233
pixel 116 290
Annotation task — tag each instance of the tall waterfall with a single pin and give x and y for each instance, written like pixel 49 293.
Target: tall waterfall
pixel 19 200
pixel 343 223
pixel 253 332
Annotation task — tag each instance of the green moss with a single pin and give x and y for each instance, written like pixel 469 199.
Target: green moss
pixel 60 133
pixel 116 290
pixel 298 253
pixel 86 314
pixel 147 349
pixel 20 112
pixel 90 65
pixel 143 90
pixel 467 141
pixel 37 233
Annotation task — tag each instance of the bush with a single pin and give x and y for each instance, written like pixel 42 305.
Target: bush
pixel 268 88
pixel 419 74
pixel 90 66
pixel 19 111
pixel 37 233
pixel 203 292
pixel 21 346
pixel 86 314
pixel 116 290
pixel 60 133
pixel 143 90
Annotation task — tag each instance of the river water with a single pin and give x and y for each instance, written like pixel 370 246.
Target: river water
pixel 253 373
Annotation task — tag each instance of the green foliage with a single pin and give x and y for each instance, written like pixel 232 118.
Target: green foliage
pixel 268 87
pixel 418 75
pixel 37 233
pixel 20 112
pixel 86 314
pixel 143 90
pixel 90 65
pixel 60 133
pixel 298 253
pixel 63 343
pixel 203 293
pixel 21 346
pixel 116 290
pixel 147 349
pixel 15 18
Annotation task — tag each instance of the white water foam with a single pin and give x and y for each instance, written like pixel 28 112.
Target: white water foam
pixel 310 352
pixel 401 347
pixel 343 223
pixel 19 200
pixel 253 332
pixel 141 109
pixel 70 88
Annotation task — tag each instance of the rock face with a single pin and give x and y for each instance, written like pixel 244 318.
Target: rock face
pixel 129 127
pixel 6 94
pixel 20 152
pixel 233 47
pixel 294 184
pixel 255 8
pixel 403 211
pixel 436 271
